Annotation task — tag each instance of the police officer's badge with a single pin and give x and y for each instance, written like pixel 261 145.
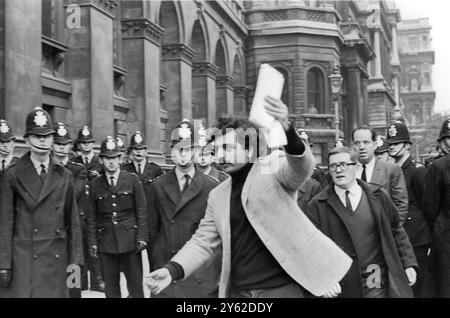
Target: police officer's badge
pixel 110 144
pixel 304 135
pixel 40 119
pixel 85 131
pixel 4 129
pixel 138 138
pixel 393 131
pixel 119 142
pixel 62 131
pixel 202 136
pixel 184 132
pixel 379 141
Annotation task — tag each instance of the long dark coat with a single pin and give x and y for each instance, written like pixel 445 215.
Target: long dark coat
pixel 151 172
pixel 416 227
pixel 436 202
pixel 39 229
pixel 174 217
pixel 327 212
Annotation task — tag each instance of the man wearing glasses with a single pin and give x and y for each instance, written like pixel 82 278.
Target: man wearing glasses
pixel 362 219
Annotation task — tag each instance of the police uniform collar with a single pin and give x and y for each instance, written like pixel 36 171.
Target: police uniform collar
pixel 37 164
pixel 89 156
pixel 180 175
pixel 115 175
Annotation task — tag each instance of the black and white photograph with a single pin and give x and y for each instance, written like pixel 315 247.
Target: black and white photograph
pixel 245 150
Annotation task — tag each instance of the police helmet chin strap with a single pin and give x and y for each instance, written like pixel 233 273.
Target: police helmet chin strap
pixel 40 148
pixel 396 155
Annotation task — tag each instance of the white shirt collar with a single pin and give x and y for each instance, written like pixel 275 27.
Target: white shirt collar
pixel 37 164
pixel 65 161
pixel 8 160
pixel 370 166
pixel 89 156
pixel 180 176
pixel 115 175
pixel 354 195
pixel 142 163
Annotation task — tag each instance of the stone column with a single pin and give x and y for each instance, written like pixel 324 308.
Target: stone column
pixel 240 100
pixel 377 61
pixel 204 90
pixel 141 51
pixel 224 95
pixel 355 99
pixel 363 113
pixel 89 64
pixel 20 60
pixel 177 67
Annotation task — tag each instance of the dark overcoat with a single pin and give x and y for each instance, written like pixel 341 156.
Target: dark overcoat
pixel 174 217
pixel 327 212
pixel 151 172
pixel 39 229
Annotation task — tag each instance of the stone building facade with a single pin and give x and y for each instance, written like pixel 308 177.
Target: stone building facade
pixel 416 90
pixel 122 66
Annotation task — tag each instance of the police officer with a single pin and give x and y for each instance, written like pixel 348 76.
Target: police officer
pixel 205 156
pixel 145 169
pixel 437 212
pixel 117 223
pixel 382 150
pixel 39 226
pixel 7 144
pixel 61 149
pixel 88 159
pixel 443 147
pixel 122 150
pixel 415 224
pixel 178 202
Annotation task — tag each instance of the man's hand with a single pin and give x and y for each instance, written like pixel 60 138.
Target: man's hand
pixel 412 275
pixel 158 280
pixel 5 278
pixel 277 109
pixel 93 251
pixel 140 245
pixel 93 174
pixel 334 292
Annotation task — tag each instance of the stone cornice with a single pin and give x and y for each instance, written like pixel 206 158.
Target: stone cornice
pixel 106 6
pixel 241 91
pixel 178 51
pixel 204 68
pixel 142 28
pixel 225 81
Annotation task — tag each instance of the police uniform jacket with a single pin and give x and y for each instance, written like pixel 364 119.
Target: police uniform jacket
pixel 117 216
pixel 79 173
pixel 415 225
pixel 151 172
pixel 39 229
pixel 174 217
pixel 93 165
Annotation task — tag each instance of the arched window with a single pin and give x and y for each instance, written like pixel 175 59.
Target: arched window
pixel 315 91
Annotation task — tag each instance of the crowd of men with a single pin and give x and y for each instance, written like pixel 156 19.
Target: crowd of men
pixel 225 221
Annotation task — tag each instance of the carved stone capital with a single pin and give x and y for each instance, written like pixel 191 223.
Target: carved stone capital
pixel 204 68
pixel 241 91
pixel 178 51
pixel 225 81
pixel 142 28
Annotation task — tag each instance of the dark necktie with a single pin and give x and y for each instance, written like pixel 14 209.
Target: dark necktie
pixel 348 203
pixel 363 175
pixel 186 182
pixel 3 164
pixel 139 168
pixel 43 173
pixel 86 161
pixel 112 182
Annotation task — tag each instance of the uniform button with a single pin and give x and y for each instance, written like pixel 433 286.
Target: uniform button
pixel 36 231
pixel 114 204
pixel 58 231
pixel 82 214
pixel 57 256
pixel 409 218
pixel 35 256
pixel 113 196
pixel 199 281
pixel 114 213
pixel 172 221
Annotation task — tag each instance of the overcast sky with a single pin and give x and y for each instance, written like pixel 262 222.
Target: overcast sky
pixel 438 11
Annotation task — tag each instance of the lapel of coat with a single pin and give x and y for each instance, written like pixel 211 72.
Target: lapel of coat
pixel 335 203
pixel 194 188
pixel 374 204
pixel 52 181
pixel 121 181
pixel 28 177
pixel 377 174
pixel 171 187
pixel 105 183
